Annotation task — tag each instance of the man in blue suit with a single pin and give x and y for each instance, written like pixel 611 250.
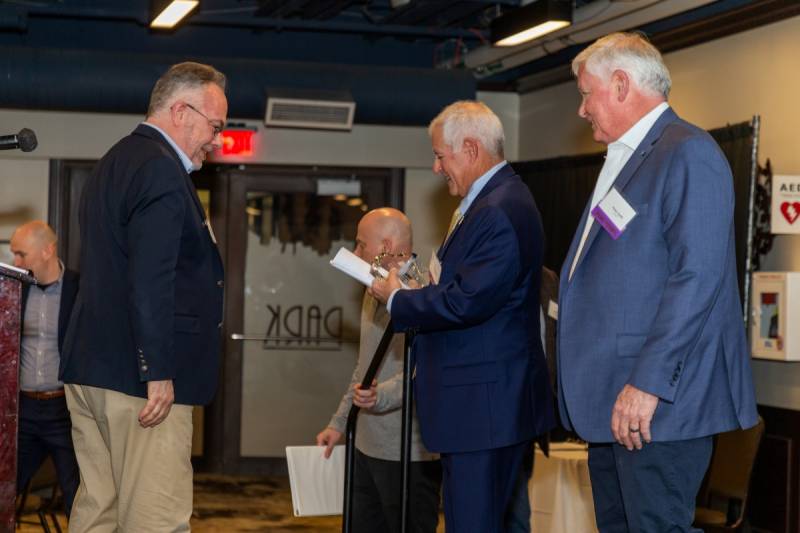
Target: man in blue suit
pixel 481 381
pixel 652 354
pixel 143 344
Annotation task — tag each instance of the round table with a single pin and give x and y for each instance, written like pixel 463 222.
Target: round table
pixel 560 491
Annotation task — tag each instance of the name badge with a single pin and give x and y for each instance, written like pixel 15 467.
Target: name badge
pixel 614 213
pixel 434 268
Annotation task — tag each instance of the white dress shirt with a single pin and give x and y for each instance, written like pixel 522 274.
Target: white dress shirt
pixel 617 156
pixel 186 161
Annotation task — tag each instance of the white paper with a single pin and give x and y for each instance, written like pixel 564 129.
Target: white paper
pixel 210 231
pixel 552 310
pixel 355 267
pixel 317 483
pixel 435 268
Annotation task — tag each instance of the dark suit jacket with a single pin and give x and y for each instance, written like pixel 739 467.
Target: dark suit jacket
pixel 481 379
pixel 659 307
pixel 69 290
pixel 150 306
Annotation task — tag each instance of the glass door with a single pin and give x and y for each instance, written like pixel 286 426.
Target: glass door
pixel 292 321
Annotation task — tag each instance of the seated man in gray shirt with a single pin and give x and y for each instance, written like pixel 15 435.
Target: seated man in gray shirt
pixel 384 233
pixel 44 423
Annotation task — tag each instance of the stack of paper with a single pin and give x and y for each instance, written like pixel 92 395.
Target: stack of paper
pixel 317 483
pixel 355 267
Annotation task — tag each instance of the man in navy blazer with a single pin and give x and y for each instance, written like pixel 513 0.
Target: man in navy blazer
pixel 481 381
pixel 653 358
pixel 44 423
pixel 145 331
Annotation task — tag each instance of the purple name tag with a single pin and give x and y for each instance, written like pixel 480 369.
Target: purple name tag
pixel 601 217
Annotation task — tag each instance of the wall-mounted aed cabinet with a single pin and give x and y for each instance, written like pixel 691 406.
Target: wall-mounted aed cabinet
pixel 775 316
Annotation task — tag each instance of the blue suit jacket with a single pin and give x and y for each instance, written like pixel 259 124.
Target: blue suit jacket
pixel 481 378
pixel 150 305
pixel 659 308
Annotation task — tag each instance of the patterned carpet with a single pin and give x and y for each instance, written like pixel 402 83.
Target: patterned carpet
pixel 227 504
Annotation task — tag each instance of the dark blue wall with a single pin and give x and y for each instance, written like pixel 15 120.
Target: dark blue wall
pixel 120 82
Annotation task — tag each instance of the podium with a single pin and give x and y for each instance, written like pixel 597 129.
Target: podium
pixel 11 281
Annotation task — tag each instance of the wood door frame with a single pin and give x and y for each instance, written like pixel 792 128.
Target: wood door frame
pixel 62 205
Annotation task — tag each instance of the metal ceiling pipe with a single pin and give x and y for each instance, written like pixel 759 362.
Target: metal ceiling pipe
pixel 589 23
pixel 112 82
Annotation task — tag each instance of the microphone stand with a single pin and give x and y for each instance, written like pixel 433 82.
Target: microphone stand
pixel 352 421
pixel 350 431
pixel 405 447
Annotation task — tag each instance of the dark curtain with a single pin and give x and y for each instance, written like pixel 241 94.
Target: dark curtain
pixel 736 142
pixel 562 187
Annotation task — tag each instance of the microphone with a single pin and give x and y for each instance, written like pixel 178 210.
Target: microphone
pixel 25 140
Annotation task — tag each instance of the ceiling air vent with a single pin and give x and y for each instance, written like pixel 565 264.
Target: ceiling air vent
pixel 327 110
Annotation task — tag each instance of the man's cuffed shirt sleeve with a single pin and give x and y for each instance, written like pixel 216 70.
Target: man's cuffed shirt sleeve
pixel 391 299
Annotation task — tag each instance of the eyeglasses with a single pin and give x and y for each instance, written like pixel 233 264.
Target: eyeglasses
pixel 216 125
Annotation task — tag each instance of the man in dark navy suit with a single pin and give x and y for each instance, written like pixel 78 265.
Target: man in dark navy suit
pixel 481 382
pixel 44 425
pixel 143 344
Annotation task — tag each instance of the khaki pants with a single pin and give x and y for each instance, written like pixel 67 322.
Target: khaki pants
pixel 133 479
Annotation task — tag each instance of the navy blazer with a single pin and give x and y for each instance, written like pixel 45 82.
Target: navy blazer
pixel 481 377
pixel 150 306
pixel 659 307
pixel 69 290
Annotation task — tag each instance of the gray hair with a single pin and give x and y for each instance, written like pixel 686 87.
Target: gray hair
pixel 468 118
pixel 180 77
pixel 630 52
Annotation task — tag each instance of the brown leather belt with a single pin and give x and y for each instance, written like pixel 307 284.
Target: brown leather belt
pixel 44 394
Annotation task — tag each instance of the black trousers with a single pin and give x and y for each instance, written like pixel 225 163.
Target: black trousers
pixel 45 429
pixel 651 490
pixel 377 488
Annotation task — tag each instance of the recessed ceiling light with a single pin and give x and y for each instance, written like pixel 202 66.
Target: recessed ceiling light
pixel 173 13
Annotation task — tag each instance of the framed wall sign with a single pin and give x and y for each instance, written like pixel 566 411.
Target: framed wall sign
pixel 785 216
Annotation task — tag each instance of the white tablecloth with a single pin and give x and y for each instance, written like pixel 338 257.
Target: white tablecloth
pixel 560 491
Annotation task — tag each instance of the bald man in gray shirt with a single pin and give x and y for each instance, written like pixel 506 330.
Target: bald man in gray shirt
pixel 384 233
pixel 44 423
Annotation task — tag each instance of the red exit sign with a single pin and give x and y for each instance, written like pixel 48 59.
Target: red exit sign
pixel 237 142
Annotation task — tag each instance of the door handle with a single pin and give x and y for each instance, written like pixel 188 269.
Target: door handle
pixel 263 338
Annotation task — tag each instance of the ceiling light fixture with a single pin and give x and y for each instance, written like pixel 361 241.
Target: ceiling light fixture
pixel 173 13
pixel 531 21
pixel 355 202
